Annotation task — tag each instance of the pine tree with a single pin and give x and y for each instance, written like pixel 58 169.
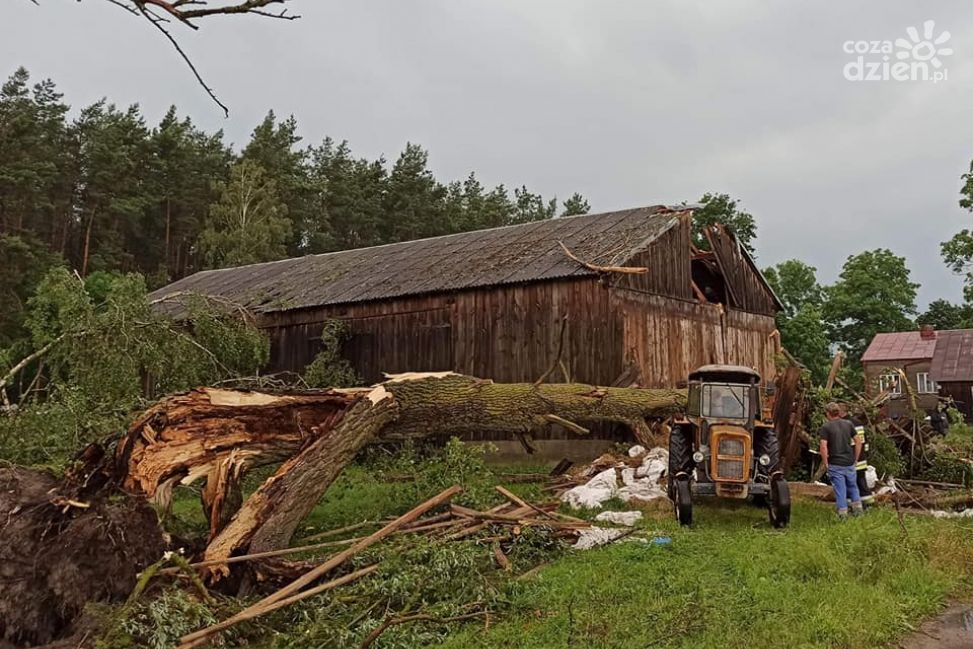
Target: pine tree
pixel 33 157
pixel 188 164
pixel 414 200
pixel 575 205
pixel 114 192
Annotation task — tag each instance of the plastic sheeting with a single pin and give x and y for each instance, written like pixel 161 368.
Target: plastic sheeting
pixel 641 483
pixel 627 519
pixel 592 537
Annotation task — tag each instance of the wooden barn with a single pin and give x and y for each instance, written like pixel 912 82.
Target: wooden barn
pixel 493 303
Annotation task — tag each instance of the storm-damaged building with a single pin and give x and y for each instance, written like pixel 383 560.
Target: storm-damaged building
pixel 616 298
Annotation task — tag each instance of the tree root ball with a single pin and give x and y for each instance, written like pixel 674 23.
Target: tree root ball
pixel 53 562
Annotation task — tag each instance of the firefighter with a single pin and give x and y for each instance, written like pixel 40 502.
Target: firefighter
pixel 861 467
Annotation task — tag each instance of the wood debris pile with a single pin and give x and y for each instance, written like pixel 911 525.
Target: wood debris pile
pixel 496 527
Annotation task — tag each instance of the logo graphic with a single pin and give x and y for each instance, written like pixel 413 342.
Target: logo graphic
pixel 918 57
pixel 925 48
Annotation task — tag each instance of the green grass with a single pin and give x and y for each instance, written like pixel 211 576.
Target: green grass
pixel 732 581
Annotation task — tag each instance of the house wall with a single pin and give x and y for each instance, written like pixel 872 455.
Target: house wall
pixel 899 405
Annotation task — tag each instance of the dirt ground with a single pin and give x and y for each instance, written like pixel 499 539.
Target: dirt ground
pixel 951 630
pixel 54 560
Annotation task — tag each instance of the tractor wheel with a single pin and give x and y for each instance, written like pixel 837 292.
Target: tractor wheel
pixel 683 500
pixel 769 445
pixel 680 457
pixel 780 502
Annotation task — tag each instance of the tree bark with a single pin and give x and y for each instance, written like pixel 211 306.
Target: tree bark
pixel 219 434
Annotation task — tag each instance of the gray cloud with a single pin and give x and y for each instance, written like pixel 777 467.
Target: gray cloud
pixel 628 102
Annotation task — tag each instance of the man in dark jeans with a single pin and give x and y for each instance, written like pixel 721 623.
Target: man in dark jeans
pixel 861 466
pixel 840 450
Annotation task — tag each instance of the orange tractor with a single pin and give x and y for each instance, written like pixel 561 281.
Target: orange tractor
pixel 722 446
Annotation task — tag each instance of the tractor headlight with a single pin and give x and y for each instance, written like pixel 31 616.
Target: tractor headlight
pixel 764 460
pixel 698 457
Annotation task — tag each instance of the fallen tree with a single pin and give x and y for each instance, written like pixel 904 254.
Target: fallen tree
pixel 215 436
pixel 218 435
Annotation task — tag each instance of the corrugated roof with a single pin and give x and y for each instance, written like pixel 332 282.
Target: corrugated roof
pixel 507 255
pixel 900 346
pixel 953 359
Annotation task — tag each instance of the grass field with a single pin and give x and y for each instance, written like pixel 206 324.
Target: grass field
pixel 730 581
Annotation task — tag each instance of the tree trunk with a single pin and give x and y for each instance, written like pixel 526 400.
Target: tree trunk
pixel 168 236
pixel 219 434
pixel 87 245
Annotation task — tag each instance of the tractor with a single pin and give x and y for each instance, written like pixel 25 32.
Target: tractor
pixel 722 446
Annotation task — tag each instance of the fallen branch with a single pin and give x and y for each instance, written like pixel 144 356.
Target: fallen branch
pixel 272 602
pixel 630 270
pixel 27 360
pixel 187 642
pixel 374 635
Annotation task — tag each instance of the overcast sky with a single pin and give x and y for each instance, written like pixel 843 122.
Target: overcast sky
pixel 630 103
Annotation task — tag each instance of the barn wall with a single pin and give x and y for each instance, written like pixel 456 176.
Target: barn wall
pixel 508 333
pixel 669 264
pixel 512 333
pixel 668 338
pixel 409 334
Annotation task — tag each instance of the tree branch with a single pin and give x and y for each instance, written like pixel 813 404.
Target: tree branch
pixel 631 270
pixel 157 23
pixel 27 360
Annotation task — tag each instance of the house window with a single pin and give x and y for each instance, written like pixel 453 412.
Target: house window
pixel 925 385
pixel 890 383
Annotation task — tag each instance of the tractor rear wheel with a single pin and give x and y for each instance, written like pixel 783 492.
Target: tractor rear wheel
pixel 683 500
pixel 768 445
pixel 780 502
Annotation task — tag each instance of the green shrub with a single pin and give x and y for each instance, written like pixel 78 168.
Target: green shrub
pixel 948 467
pixel 329 369
pixel 461 464
pixel 106 350
pixel 884 455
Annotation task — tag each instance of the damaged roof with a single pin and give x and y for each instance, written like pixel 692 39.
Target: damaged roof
pixel 953 358
pixel 505 255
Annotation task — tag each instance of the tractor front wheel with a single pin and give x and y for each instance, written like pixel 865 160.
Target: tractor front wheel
pixel 780 502
pixel 680 457
pixel 683 500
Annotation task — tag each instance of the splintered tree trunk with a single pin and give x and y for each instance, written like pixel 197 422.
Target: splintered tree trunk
pixel 218 434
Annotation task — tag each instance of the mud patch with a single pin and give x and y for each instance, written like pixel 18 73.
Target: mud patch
pixel 951 630
pixel 55 559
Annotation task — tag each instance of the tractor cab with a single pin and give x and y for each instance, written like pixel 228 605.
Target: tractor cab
pixel 721 446
pixel 724 393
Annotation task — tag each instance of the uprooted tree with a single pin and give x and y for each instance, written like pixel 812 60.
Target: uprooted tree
pixel 216 436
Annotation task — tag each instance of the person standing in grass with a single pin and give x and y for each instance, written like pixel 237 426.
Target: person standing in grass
pixel 861 466
pixel 840 450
